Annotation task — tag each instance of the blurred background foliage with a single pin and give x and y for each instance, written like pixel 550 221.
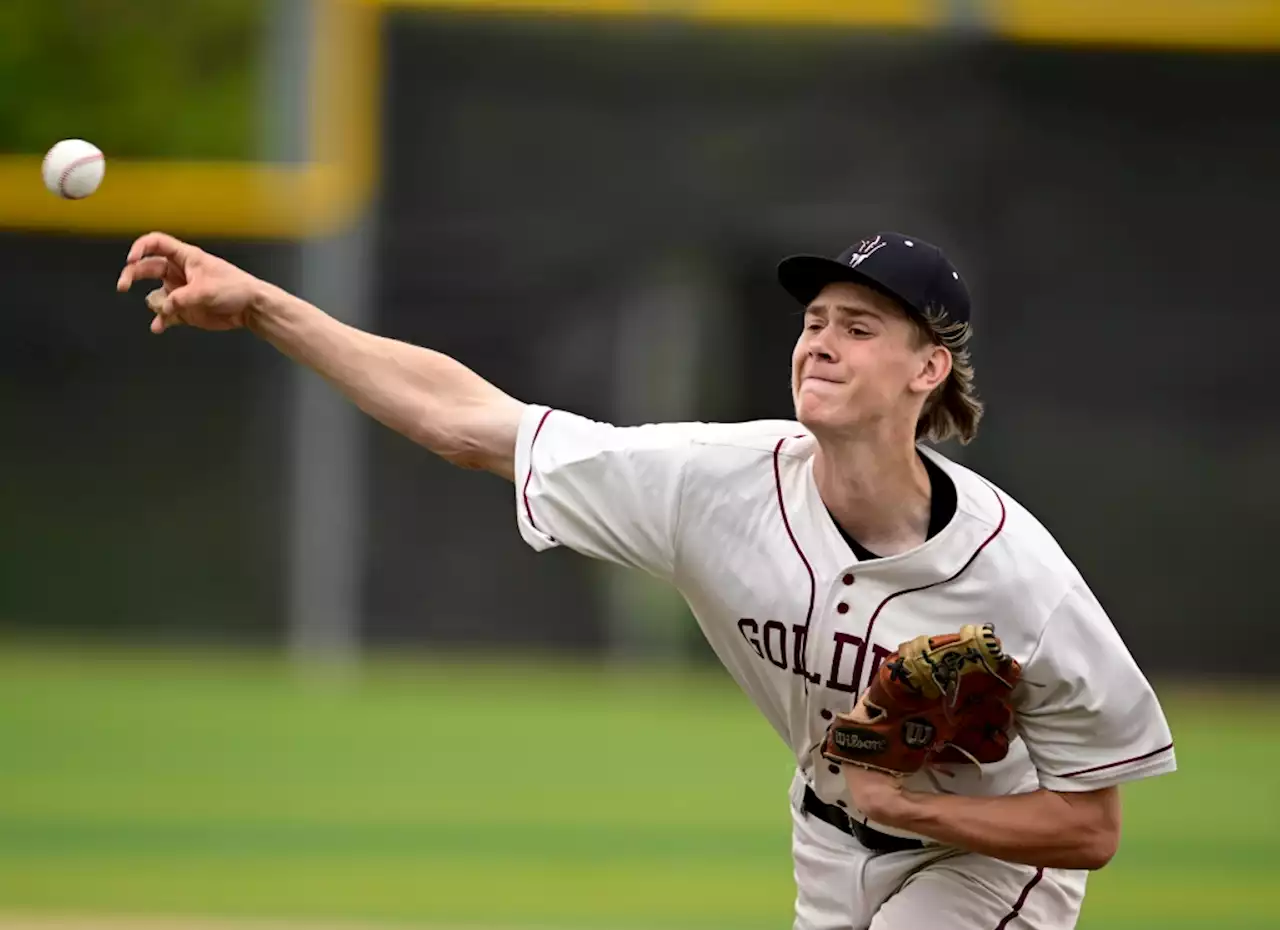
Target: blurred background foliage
pixel 141 78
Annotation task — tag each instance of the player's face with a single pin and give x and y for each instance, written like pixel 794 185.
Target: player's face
pixel 860 361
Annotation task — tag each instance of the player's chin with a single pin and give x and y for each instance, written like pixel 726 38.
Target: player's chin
pixel 819 410
pixel 820 424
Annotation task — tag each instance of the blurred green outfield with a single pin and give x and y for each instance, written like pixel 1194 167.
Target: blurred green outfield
pixel 501 795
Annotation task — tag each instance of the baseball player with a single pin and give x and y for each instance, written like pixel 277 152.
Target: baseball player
pixel 961 709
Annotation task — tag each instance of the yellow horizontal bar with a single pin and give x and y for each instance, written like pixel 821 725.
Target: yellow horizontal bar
pixel 1238 24
pixel 188 198
pixel 909 13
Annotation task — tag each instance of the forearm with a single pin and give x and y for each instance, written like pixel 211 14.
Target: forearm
pixel 425 395
pixel 1040 828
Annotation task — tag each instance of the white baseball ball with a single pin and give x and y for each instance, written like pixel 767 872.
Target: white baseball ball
pixel 73 168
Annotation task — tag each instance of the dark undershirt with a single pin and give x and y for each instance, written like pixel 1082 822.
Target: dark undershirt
pixel 942 507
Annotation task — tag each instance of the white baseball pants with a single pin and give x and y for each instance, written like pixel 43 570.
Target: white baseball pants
pixel 840 885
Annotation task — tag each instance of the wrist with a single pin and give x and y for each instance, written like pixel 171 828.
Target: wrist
pixel 264 303
pixel 912 811
pixel 879 796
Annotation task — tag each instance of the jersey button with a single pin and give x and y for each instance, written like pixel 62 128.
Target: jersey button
pixel 842 608
pixel 848 579
pixel 825 715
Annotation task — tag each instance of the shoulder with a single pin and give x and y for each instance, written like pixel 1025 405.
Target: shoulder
pixel 695 439
pixel 1026 542
pixel 700 454
pixel 755 437
pixel 1020 551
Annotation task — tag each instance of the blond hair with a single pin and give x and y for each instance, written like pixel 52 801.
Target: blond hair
pixel 953 410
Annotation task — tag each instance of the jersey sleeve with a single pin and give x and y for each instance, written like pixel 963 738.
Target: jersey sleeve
pixel 608 492
pixel 1088 715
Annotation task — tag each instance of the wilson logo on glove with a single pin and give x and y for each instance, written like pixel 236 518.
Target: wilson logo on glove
pixel 936 700
pixel 859 741
pixel 918 733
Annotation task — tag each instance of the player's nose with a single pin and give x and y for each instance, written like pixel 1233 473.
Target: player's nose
pixel 820 351
pixel 819 344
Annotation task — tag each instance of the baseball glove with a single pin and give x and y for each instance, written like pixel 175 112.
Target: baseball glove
pixel 984 724
pixel 924 696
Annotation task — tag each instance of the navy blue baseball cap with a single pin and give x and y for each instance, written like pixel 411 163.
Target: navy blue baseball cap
pixel 911 270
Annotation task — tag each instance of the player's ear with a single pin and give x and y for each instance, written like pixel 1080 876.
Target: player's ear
pixel 935 366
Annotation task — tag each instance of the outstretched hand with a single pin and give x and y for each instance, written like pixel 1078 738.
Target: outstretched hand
pixel 197 289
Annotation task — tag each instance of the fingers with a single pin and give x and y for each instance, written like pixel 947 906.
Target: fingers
pixel 166 313
pixel 151 255
pixel 166 305
pixel 159 323
pixel 173 302
pixel 152 268
pixel 158 243
pixel 156 303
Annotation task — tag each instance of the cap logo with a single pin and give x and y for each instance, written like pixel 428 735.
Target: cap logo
pixel 866 248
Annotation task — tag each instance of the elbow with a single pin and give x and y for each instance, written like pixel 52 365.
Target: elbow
pixel 1095 829
pixel 456 443
pixel 476 452
pixel 1086 854
pixel 479 437
pixel 1096 848
pixel 471 458
pixel 473 454
pixel 1098 853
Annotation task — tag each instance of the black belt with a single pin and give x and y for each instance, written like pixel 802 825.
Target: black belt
pixel 873 840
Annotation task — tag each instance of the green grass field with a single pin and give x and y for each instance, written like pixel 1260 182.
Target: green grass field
pixel 449 793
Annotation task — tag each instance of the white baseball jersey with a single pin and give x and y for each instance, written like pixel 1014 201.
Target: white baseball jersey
pixel 730 515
